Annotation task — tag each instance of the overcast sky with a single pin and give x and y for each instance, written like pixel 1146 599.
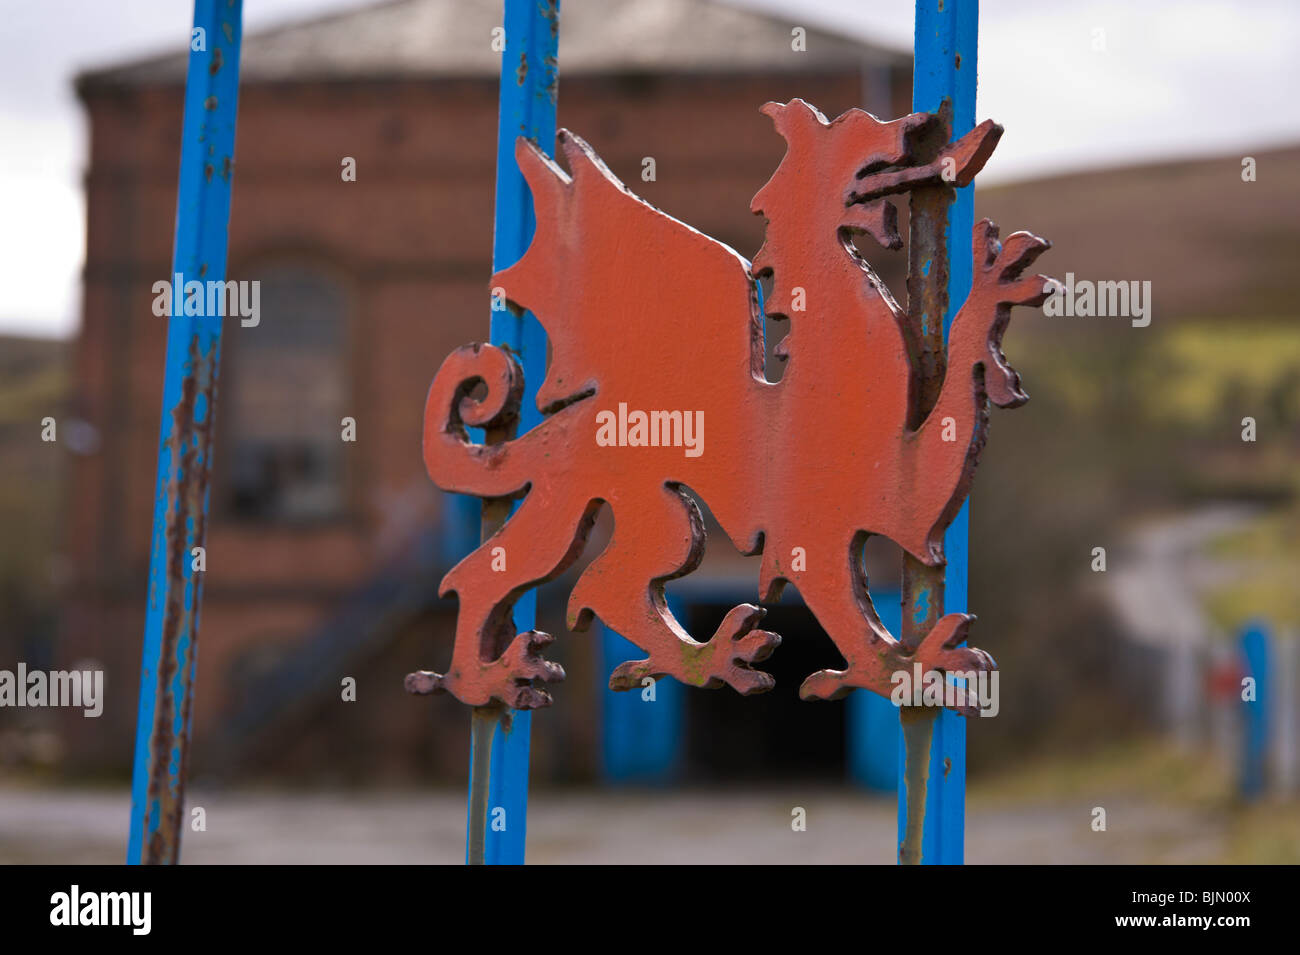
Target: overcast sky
pixel 1176 79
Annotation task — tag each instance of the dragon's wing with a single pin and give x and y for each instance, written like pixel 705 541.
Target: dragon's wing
pixel 601 251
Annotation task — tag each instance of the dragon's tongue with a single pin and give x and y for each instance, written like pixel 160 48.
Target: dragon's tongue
pixel 957 163
pixel 971 152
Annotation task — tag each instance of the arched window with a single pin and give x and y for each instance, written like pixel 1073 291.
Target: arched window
pixel 283 394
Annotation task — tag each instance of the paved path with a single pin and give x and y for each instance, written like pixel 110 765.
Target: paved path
pixel 1157 587
pixel 592 826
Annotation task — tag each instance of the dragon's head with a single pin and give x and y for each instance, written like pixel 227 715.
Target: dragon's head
pixel 840 173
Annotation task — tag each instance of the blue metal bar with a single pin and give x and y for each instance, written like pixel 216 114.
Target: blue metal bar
pixel 1255 656
pixel 642 742
pixel 529 84
pixel 944 75
pixel 185 442
pixel 873 738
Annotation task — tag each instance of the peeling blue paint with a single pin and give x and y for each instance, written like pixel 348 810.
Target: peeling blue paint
pixel 180 498
pixel 527 109
pixel 921 606
pixel 946 29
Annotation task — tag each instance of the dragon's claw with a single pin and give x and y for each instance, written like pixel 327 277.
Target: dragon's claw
pixel 999 282
pixel 826 685
pixel 938 651
pixel 724 660
pixel 508 679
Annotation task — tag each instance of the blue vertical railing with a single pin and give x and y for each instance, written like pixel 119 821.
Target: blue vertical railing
pixel 1255 710
pixel 873 737
pixel 186 437
pixel 944 73
pixel 529 78
pixel 642 742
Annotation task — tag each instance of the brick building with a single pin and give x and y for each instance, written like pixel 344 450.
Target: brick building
pixel 323 556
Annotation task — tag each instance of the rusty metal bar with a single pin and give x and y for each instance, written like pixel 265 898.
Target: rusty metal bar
pixel 932 777
pixel 185 443
pixel 499 737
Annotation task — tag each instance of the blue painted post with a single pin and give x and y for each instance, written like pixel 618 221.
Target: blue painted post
pixel 499 738
pixel 642 740
pixel 185 444
pixel 1255 653
pixel 873 737
pixel 944 80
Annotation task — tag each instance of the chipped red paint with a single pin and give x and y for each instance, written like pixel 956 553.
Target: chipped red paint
pixel 644 312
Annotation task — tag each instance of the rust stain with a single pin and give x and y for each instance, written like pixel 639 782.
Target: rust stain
pixel 552 88
pixel 918 737
pixel 875 428
pixel 191 446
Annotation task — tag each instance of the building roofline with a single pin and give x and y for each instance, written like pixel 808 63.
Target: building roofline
pixel 335 48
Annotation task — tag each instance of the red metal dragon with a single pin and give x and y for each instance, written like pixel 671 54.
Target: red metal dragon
pixel 644 312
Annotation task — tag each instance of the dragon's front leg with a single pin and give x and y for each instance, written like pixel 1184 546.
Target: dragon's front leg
pixel 975 340
pixel 835 590
pixel 939 457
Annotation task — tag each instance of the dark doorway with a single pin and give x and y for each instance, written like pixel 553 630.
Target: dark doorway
pixel 774 736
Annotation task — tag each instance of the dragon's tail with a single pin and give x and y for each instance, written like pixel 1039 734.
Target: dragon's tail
pixel 454 462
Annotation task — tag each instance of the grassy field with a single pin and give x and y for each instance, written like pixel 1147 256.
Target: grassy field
pixel 1267 553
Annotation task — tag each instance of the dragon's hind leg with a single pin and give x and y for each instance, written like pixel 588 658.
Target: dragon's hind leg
pixel 656 538
pixel 489 660
pixel 835 589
